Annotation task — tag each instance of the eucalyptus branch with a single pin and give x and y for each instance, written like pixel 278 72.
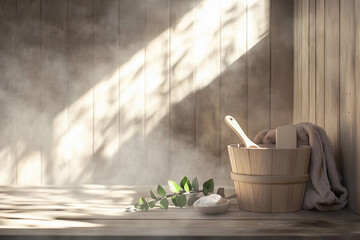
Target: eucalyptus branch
pixel 178 195
pixel 181 192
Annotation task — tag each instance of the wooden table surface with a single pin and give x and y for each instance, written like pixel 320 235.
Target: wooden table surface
pixel 99 212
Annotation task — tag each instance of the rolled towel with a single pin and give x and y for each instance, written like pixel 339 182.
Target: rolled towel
pixel 324 190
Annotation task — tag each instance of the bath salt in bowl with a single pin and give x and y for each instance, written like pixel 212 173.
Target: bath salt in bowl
pixel 212 204
pixel 209 201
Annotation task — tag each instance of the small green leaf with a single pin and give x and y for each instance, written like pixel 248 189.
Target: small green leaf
pixel 136 205
pixel 195 183
pixel 174 187
pixel 152 204
pixel 186 187
pixel 142 206
pixel 181 200
pixel 161 191
pixel 145 207
pixel 142 201
pixel 173 199
pixel 205 191
pixel 209 185
pixel 164 203
pixel 189 184
pixel 193 197
pixel 184 181
pixel 153 195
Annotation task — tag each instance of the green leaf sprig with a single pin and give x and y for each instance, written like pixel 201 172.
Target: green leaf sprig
pixel 178 194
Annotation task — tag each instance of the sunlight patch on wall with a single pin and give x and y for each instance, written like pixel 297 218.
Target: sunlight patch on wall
pixel 258 21
pixel 157 81
pixel 56 166
pixel 106 107
pixel 132 93
pixel 207 43
pixel 29 166
pixel 80 139
pixel 194 45
pixel 182 57
pixel 7 164
pixel 233 31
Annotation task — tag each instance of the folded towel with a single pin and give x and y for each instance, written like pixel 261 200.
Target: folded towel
pixel 324 190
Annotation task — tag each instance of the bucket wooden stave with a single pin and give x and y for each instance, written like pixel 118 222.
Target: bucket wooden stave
pixel 269 179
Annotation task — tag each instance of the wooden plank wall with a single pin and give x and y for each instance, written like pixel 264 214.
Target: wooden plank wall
pixel 326 67
pixel 135 91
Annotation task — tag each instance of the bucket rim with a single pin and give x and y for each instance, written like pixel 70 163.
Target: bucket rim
pixel 266 147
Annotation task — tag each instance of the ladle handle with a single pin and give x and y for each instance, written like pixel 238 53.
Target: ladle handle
pixel 233 124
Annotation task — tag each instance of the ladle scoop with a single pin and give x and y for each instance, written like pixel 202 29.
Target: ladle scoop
pixel 233 124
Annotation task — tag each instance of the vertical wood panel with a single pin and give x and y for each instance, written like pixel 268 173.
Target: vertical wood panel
pixel 297 62
pixel 106 90
pixel 157 87
pixel 332 74
pixel 182 88
pixel 80 90
pixel 281 62
pixel 347 96
pixel 312 59
pixel 305 60
pixel 233 73
pixel 28 87
pixel 356 166
pixel 54 83
pixel 320 63
pixel 207 63
pixel 132 90
pixel 336 74
pixel 258 66
pixel 7 94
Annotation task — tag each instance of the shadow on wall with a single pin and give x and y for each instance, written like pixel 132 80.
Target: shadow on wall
pixel 157 116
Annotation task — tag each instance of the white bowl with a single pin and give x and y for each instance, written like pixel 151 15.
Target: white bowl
pixel 221 207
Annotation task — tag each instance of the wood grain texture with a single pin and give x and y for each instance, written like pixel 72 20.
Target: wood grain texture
pixel 347 95
pixel 182 88
pixel 28 90
pixel 312 60
pixel 80 90
pixel 132 89
pixel 82 218
pixel 157 35
pixel 336 74
pixel 305 61
pixel 320 63
pixel 282 73
pixel 332 83
pixel 356 166
pixel 106 91
pixel 54 96
pixel 7 94
pixel 258 76
pixel 233 97
pixel 297 109
pixel 269 179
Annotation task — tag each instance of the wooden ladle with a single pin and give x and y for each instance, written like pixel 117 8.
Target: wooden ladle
pixel 233 124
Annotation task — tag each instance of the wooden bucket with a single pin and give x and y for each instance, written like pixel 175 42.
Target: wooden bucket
pixel 269 179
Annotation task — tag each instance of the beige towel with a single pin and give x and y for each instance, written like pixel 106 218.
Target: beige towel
pixel 324 190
